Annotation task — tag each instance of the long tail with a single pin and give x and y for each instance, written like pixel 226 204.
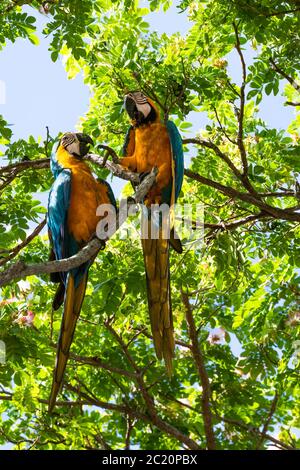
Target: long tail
pixel 72 305
pixel 156 258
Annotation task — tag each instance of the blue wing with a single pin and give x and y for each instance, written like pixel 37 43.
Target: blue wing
pixel 177 151
pixel 64 245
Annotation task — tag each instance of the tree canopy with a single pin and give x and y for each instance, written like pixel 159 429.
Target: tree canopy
pixel 235 295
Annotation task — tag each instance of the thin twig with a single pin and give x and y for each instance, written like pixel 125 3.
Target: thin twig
pixel 284 74
pixel 149 400
pixel 14 251
pixel 240 139
pixel 21 270
pixel 268 420
pixel 281 13
pixel 275 212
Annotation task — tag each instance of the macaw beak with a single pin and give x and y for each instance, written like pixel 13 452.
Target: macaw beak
pixel 130 106
pixel 137 112
pixel 85 141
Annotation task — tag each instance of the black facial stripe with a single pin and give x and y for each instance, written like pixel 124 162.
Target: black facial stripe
pixel 138 97
pixel 141 100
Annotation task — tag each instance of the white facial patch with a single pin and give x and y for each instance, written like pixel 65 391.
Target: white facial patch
pixel 73 148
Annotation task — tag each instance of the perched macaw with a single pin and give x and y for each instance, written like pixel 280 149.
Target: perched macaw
pixel 72 220
pixel 151 143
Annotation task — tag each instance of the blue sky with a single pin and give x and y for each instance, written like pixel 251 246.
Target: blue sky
pixel 36 87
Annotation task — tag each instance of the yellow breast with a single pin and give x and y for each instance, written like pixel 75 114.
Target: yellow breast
pixel 152 147
pixel 86 195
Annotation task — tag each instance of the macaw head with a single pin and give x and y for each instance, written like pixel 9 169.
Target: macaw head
pixel 77 144
pixel 140 109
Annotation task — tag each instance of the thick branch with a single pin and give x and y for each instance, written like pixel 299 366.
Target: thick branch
pixel 208 144
pixel 21 270
pixel 130 427
pixel 149 401
pixel 268 420
pixel 199 361
pixel 28 164
pixel 240 139
pixel 114 168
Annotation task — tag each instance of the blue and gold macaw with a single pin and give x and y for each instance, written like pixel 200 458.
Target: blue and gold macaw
pixel 72 220
pixel 150 143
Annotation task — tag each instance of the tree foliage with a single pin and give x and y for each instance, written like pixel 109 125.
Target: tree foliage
pixel 235 299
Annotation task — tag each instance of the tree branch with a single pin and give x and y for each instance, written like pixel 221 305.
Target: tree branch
pixel 149 401
pixel 291 103
pixel 20 269
pixel 255 431
pixel 268 420
pixel 240 139
pixel 233 225
pixel 280 13
pixel 130 427
pixel 199 361
pixel 97 362
pixel 284 74
pixel 135 413
pixel 14 251
pixel 28 164
pixel 240 424
pixel 222 127
pixel 209 144
pixel 275 212
pixel 179 342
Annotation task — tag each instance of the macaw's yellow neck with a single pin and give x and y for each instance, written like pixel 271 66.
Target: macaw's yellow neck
pixel 68 161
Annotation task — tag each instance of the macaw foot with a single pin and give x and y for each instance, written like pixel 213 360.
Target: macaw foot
pixel 109 153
